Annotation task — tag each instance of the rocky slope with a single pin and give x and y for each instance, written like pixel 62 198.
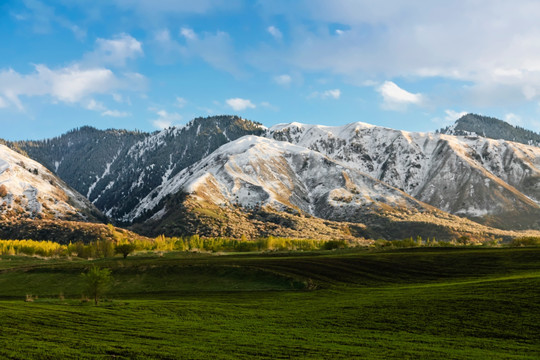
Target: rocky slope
pixel 208 177
pixel 28 190
pixel 492 181
pixel 116 169
pixel 252 182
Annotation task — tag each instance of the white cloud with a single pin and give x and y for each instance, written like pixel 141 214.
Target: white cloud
pixel 328 94
pixel 239 104
pixel 180 102
pixel 118 98
pixel 529 92
pixel 388 40
pixel 121 99
pixel 283 79
pixel 70 84
pixel 166 119
pixel 115 113
pixel 98 106
pixel 115 51
pixel 95 105
pixel 452 115
pixel 513 119
pixel 396 98
pixel 188 33
pixel 334 94
pixel 274 31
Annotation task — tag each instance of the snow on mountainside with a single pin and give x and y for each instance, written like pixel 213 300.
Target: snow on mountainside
pixel 472 176
pixel 116 169
pixel 340 173
pixel 254 171
pixel 256 185
pixel 29 190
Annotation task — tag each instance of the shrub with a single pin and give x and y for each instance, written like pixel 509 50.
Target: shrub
pixel 526 241
pixel 125 249
pixel 335 244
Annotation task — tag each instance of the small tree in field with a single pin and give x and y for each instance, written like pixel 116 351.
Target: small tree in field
pixel 96 282
pixel 125 249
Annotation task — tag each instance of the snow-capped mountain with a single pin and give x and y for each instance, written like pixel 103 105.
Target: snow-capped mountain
pixel 116 169
pixel 28 190
pixel 254 173
pixel 229 170
pixel 494 181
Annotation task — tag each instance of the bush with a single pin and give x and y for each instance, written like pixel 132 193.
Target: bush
pixel 526 241
pixel 125 249
pixel 334 244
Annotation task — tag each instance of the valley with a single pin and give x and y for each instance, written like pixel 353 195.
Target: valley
pixel 459 303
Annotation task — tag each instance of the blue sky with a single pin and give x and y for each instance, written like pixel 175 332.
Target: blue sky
pixel 137 64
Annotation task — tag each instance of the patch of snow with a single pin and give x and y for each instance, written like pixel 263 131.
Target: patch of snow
pixel 31 185
pixel 4 165
pixel 106 172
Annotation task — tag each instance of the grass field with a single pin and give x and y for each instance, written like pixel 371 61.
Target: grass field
pixel 455 303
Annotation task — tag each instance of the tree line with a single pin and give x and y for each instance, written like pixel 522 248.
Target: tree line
pixel 124 246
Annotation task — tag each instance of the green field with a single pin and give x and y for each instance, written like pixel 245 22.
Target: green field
pixel 455 303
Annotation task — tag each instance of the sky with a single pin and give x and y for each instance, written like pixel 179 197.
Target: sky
pixel 136 64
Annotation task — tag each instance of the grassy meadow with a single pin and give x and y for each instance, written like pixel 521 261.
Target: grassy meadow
pixel 447 303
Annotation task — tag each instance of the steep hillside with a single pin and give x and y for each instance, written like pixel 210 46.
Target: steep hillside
pixel 29 191
pixel 494 182
pixel 216 176
pixel 81 156
pixel 255 171
pixel 116 169
pixel 473 124
pixel 256 186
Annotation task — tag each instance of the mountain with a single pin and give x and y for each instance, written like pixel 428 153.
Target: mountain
pixel 28 190
pixel 252 182
pixel 472 124
pixel 82 155
pixel 36 204
pixel 227 176
pixel 116 169
pixel 494 182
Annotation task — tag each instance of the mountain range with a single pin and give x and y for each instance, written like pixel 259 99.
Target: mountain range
pixel 228 176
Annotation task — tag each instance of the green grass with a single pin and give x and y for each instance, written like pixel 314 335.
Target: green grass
pixel 411 303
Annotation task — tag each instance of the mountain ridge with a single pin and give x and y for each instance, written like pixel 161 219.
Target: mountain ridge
pixel 115 169
pixel 352 179
pixel 461 175
pixel 490 127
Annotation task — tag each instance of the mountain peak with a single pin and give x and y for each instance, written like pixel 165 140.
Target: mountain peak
pixel 490 127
